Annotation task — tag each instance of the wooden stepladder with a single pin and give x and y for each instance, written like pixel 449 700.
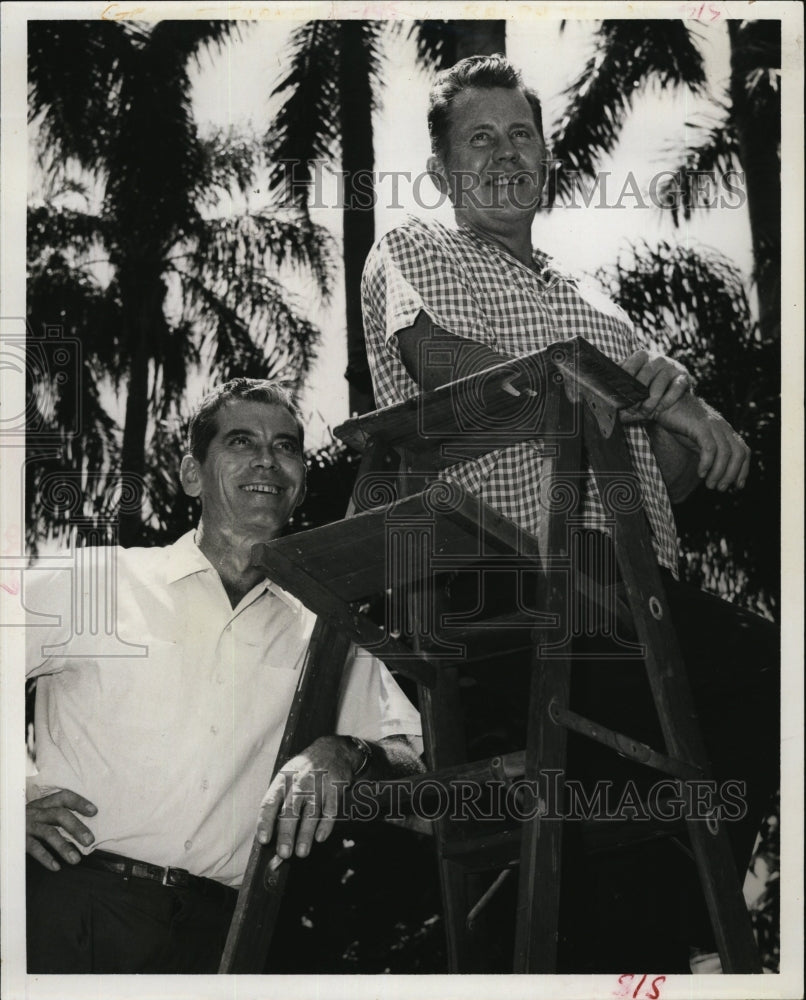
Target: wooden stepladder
pixel 378 579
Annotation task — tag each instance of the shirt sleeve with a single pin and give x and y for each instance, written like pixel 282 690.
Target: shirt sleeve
pixel 622 325
pixel 410 271
pixel 48 618
pixel 371 703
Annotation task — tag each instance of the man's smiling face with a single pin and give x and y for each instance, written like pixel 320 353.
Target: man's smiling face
pixel 253 475
pixel 495 161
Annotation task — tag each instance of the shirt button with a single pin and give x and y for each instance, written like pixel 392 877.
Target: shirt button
pixel 219 679
pixel 228 628
pixel 214 730
pixel 205 785
pixel 188 844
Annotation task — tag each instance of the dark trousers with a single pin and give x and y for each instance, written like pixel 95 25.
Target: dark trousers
pixel 80 920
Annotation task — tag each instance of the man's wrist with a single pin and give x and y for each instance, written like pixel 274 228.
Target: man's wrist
pixel 683 416
pixel 362 753
pixel 659 435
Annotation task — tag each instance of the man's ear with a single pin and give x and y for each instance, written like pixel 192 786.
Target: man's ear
pixel 189 476
pixel 303 492
pixel 438 174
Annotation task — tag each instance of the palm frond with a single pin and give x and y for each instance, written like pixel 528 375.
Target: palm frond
pixel 305 128
pixel 178 356
pixel 73 232
pixel 713 156
pixel 230 164
pixel 72 441
pixel 186 39
pixel 756 71
pixel 73 74
pixel 369 48
pixel 263 241
pixel 435 43
pixel 171 511
pixel 61 295
pixel 692 302
pixel 628 57
pixel 155 161
pixel 249 325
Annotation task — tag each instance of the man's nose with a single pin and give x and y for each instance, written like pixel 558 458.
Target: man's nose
pixel 264 457
pixel 506 149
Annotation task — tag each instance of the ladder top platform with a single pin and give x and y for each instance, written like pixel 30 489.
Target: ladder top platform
pixel 350 558
pixel 477 413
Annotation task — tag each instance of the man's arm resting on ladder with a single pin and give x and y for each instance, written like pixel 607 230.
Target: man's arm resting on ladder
pixel 667 380
pixel 691 441
pixel 693 444
pixel 303 799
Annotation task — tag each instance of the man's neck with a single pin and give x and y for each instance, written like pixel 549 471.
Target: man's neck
pixel 517 242
pixel 231 557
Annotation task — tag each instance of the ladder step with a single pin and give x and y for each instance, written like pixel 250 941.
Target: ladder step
pixel 486 852
pixel 503 768
pixel 353 558
pixel 490 852
pixel 488 638
pixel 625 746
pixel 485 899
pixel 433 419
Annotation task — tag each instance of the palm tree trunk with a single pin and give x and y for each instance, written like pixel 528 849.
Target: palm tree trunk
pixel 142 304
pixel 480 38
pixel 759 136
pixel 358 164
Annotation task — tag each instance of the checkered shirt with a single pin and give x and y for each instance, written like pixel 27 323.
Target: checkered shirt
pixel 475 289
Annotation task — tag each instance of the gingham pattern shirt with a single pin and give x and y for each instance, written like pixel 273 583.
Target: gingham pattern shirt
pixel 473 288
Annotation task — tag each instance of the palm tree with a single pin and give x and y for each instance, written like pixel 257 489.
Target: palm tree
pixel 331 89
pixel 441 44
pixel 700 295
pixel 331 84
pixel 181 286
pixel 745 133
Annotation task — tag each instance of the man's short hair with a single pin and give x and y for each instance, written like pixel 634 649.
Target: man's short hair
pixel 204 424
pixel 484 73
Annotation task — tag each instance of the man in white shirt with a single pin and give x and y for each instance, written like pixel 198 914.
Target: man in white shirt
pixel 161 733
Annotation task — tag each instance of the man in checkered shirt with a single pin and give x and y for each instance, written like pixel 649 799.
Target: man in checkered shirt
pixel 479 293
pixel 483 294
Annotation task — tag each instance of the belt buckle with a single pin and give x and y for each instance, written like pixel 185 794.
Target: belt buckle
pixel 168 873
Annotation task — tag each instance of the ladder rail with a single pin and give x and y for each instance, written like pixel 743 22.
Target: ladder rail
pixel 312 714
pixel 668 681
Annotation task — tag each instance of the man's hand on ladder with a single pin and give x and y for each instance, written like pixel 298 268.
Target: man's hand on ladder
pixel 302 802
pixel 667 380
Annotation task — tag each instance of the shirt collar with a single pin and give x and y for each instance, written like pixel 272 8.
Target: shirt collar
pixel 185 558
pixel 544 267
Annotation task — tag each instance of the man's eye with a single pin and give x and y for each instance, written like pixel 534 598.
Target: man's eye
pixel 288 446
pixel 479 137
pixel 240 441
pixel 522 133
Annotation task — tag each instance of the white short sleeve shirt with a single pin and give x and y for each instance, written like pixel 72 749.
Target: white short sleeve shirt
pixel 165 706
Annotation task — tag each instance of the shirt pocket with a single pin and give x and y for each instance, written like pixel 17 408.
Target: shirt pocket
pixel 276 641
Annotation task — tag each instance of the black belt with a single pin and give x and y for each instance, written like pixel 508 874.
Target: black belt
pixel 174 878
